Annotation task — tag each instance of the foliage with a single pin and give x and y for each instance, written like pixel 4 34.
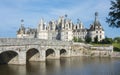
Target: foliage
pixel 117 39
pixel 80 40
pixel 88 39
pixel 107 41
pixel 96 39
pixel 116 46
pixel 75 39
pixel 113 18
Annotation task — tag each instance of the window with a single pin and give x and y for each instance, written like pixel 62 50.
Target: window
pixel 66 32
pixel 96 31
pixel 66 37
pixel 100 36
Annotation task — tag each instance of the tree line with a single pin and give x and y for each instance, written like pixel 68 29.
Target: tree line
pixel 107 40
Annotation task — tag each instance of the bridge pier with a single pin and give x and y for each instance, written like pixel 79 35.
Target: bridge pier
pixel 69 53
pixel 42 55
pixel 22 57
pixel 57 54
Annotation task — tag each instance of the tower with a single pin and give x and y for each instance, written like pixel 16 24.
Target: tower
pixel 42 32
pixel 96 29
pixel 21 31
pixel 66 31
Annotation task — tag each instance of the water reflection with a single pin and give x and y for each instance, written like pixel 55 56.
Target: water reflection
pixel 66 66
pixel 36 68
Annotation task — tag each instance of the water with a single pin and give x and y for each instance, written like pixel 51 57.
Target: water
pixel 66 66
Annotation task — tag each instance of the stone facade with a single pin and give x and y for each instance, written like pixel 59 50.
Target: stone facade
pixel 62 29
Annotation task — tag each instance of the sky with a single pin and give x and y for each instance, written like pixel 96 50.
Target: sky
pixel 12 11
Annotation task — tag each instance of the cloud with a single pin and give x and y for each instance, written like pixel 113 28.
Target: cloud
pixel 32 10
pixel 82 10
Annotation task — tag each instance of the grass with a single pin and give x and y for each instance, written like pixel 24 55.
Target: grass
pixel 116 47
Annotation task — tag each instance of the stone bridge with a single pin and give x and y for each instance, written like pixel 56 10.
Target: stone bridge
pixel 22 50
pixel 18 51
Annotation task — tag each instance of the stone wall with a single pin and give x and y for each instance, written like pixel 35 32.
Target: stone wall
pixel 82 49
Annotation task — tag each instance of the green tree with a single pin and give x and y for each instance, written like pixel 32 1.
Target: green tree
pixel 75 39
pixel 79 40
pixel 96 39
pixel 117 39
pixel 113 18
pixel 88 39
pixel 107 40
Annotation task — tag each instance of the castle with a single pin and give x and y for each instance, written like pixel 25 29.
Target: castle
pixel 63 29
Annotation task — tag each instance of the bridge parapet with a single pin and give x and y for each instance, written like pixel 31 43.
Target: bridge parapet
pixel 26 41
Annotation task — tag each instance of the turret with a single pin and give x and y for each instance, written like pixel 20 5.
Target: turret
pixel 96 16
pixel 42 30
pixel 96 29
pixel 22 28
pixel 41 25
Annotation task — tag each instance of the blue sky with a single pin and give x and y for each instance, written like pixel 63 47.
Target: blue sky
pixel 12 11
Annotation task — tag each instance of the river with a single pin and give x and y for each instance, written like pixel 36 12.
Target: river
pixel 66 66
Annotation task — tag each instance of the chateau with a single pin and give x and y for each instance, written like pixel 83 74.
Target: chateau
pixel 43 42
pixel 63 29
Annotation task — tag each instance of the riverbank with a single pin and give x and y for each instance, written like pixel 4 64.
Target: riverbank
pixel 116 46
pixel 100 50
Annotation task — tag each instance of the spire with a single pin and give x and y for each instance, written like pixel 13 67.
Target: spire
pixel 96 16
pixel 96 22
pixel 78 21
pixel 22 23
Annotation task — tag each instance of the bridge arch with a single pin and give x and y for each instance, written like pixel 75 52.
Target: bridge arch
pixel 32 54
pixel 9 57
pixel 50 53
pixel 63 53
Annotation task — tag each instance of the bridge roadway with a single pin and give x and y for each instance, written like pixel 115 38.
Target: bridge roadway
pixel 21 50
